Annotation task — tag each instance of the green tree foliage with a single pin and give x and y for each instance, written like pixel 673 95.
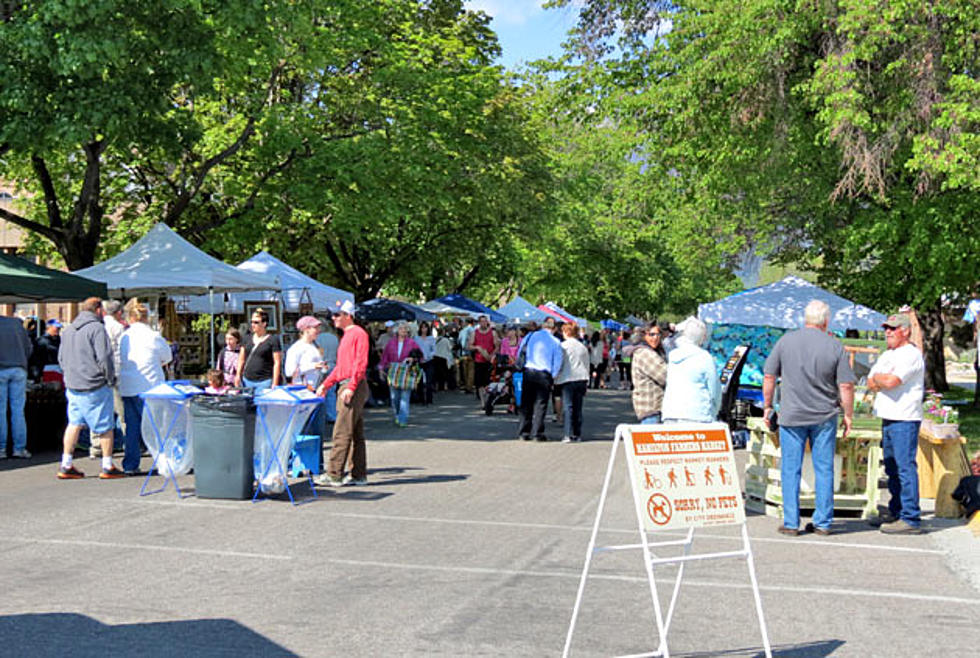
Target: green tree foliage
pixel 841 133
pixel 371 143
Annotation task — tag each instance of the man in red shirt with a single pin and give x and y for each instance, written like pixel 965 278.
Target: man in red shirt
pixel 352 394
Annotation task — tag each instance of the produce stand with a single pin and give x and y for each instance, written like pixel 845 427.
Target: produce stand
pixel 858 459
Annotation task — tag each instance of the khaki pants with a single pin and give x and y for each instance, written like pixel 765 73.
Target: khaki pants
pixel 348 436
pixel 467 373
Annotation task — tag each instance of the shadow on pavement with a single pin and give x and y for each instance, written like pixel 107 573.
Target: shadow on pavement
pixel 67 634
pixel 804 650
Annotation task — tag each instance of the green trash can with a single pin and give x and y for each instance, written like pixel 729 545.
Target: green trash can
pixel 223 427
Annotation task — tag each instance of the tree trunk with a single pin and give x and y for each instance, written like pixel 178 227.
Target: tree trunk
pixel 931 320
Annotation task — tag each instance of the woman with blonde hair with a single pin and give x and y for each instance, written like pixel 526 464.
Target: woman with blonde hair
pixel 142 354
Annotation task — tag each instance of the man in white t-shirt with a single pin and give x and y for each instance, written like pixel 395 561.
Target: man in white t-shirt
pixel 898 377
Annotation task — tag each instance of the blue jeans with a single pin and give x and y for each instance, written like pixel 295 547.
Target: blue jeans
pixel 400 399
pixel 330 402
pixel 823 444
pixel 133 412
pixel 899 441
pixel 258 385
pixel 13 390
pixel 651 420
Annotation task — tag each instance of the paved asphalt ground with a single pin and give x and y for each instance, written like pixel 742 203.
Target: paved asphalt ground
pixel 466 543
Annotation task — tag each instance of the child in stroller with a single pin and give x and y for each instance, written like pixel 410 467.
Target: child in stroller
pixel 501 389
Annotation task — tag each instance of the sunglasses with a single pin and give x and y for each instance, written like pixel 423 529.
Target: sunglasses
pixel 258 322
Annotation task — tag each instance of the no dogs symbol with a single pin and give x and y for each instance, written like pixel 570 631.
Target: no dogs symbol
pixel 658 508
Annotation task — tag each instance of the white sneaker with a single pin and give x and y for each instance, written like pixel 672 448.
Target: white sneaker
pixel 359 482
pixel 325 480
pixel 566 439
pixel 22 454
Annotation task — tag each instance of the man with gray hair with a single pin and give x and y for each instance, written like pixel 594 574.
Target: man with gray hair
pixel 817 383
pixel 693 390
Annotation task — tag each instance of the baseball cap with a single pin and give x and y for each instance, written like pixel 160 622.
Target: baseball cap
pixel 306 322
pixel 347 307
pixel 898 320
pixel 53 322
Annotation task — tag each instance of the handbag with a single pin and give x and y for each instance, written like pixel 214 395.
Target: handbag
pixel 404 375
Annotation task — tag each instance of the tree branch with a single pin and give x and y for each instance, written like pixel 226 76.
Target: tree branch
pixel 188 193
pixel 47 186
pixel 24 223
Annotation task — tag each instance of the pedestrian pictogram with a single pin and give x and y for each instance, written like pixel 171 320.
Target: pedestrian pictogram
pixel 658 507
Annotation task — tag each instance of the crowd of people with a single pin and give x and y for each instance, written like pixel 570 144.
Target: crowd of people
pixel 109 355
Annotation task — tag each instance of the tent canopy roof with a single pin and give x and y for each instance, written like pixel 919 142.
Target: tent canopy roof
pixel 381 309
pixel 521 310
pixel 781 304
pixel 22 281
pixel 162 262
pixel 467 304
pixel 293 283
pixel 559 313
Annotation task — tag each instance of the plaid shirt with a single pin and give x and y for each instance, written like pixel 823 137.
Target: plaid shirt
pixel 649 380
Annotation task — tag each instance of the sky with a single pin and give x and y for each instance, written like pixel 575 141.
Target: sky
pixel 526 31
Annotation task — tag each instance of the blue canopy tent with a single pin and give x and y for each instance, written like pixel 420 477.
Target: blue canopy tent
pixel 612 325
pixel 381 310
pixel 459 301
pixel 521 310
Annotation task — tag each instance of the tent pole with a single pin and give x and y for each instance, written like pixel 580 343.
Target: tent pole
pixel 211 311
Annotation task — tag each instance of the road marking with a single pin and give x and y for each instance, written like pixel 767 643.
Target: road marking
pixel 551 526
pixel 146 547
pixel 833 591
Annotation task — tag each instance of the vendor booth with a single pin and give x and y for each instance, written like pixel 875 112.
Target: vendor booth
pixel 162 263
pixel 757 318
pixel 760 316
pixel 522 311
pixel 23 282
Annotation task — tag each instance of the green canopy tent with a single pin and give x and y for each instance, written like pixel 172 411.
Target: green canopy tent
pixel 23 282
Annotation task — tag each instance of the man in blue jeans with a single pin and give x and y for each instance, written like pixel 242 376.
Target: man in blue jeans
pixel 898 378
pixel 817 382
pixel 15 350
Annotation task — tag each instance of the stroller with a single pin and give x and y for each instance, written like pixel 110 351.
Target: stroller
pixel 500 390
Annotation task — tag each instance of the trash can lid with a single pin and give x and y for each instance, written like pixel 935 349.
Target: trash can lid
pixel 175 390
pixel 287 395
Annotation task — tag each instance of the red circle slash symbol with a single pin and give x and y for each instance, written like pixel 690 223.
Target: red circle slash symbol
pixel 658 507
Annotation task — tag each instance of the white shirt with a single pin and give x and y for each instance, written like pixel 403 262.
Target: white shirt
pixel 301 361
pixel 142 355
pixel 428 346
pixel 328 342
pixel 444 349
pixel 115 329
pixel 904 402
pixel 574 362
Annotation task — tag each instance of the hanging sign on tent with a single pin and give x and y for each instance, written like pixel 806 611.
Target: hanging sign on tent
pixel 684 476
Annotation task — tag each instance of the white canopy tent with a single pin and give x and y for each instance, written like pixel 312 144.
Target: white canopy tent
pixel 163 263
pixel 781 304
pixel 295 286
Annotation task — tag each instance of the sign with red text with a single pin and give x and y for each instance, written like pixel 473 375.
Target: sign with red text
pixel 684 475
